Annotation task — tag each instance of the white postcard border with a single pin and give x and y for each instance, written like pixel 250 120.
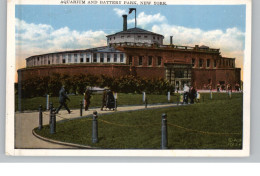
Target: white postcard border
pixel 10 79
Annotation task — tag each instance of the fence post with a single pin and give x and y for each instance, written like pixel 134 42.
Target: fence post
pixel 169 97
pixel 51 109
pixel 81 106
pixel 144 96
pixel 164 144
pixel 210 94
pixel 146 102
pixel 95 128
pixel 19 90
pixel 115 101
pixel 53 122
pixel 83 100
pixel 40 117
pixel 47 102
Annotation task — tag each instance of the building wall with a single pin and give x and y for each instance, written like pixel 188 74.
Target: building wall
pixel 68 58
pixel 135 38
pixel 203 77
pixel 200 77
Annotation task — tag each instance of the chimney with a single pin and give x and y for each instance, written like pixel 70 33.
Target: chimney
pixel 170 40
pixel 124 22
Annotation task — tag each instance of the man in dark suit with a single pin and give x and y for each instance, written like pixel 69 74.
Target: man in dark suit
pixel 62 100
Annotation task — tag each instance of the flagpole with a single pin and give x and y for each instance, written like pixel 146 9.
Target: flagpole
pixel 135 18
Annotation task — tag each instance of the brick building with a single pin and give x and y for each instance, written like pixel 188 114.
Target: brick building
pixel 141 53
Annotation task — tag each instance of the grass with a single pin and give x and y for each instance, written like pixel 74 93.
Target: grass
pixel 142 129
pixel 96 101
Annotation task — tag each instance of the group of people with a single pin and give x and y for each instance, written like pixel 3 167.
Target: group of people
pixel 190 93
pixel 108 99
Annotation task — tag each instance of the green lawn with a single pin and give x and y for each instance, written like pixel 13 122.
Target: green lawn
pixel 96 101
pixel 199 126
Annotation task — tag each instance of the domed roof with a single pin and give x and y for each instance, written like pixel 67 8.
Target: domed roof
pixel 136 31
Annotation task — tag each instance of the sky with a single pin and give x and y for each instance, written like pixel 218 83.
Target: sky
pixel 42 29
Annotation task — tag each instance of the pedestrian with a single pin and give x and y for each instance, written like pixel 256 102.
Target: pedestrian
pixel 104 99
pixel 110 100
pixel 62 100
pixel 87 97
pixel 218 87
pixel 198 97
pixel 186 91
pixel 193 95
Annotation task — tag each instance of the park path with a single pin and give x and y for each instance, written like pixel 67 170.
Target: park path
pixel 27 121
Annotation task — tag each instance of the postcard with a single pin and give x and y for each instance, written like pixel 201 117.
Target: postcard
pixel 128 78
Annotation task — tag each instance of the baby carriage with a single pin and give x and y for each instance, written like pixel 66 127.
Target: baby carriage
pixel 110 101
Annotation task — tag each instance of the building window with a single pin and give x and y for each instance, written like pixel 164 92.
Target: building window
pixel 140 60
pixel 75 58
pixel 145 36
pixel 154 37
pixel 114 38
pixel 130 60
pixel 69 58
pixel 208 62
pixel 49 62
pixel 150 60
pixel 38 58
pixel 121 57
pixel 193 62
pixel 102 57
pixel 128 36
pixel 81 57
pixel 108 57
pixel 95 57
pixel 87 59
pixel 110 38
pixel 115 57
pixel 179 73
pixel 159 61
pixel 139 36
pixel 157 38
pixel 215 63
pixel 63 58
pixel 200 62
pixel 122 37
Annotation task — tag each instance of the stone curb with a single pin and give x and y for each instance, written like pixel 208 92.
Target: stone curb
pixel 62 143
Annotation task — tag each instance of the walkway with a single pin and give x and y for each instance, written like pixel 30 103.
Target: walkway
pixel 26 122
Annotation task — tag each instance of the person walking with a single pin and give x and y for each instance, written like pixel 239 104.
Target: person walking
pixel 193 94
pixel 62 100
pixel 104 99
pixel 87 98
pixel 186 91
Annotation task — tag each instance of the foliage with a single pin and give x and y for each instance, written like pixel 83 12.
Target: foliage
pixel 76 84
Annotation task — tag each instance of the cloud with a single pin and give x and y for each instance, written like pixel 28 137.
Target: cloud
pixel 143 19
pixel 230 41
pixel 33 39
pixel 120 12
